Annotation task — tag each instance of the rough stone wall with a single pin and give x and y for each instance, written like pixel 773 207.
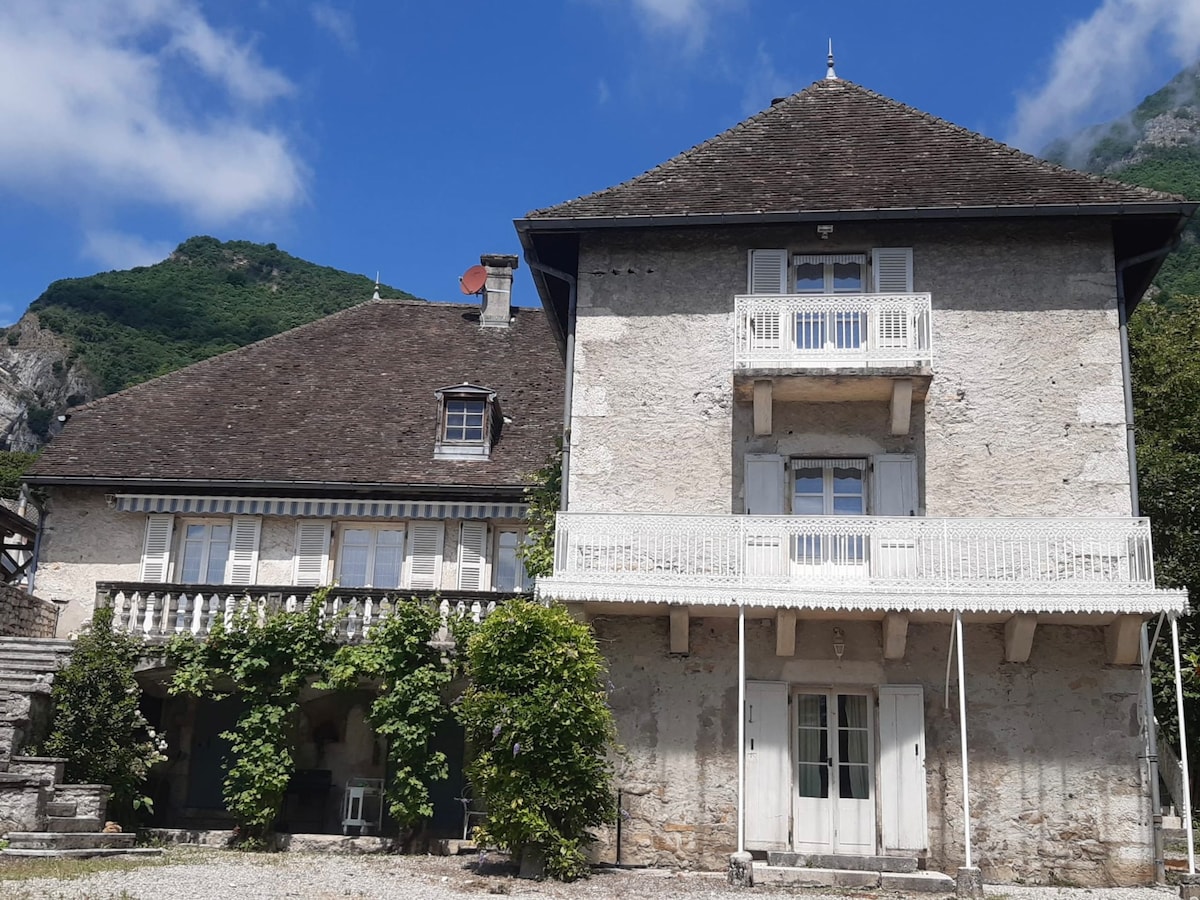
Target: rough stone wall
pixel 24 615
pixel 1024 416
pixel 1056 792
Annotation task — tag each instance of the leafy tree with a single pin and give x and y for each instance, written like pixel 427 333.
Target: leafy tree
pixel 97 725
pixel 13 465
pixel 265 660
pixel 542 493
pixel 538 719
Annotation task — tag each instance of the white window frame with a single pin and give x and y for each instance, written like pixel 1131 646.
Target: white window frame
pixel 374 528
pixel 524 578
pixel 828 261
pixel 827 465
pixel 457 447
pixel 180 549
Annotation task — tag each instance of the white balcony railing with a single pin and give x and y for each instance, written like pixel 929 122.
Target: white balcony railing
pixel 156 612
pixel 785 331
pixel 863 562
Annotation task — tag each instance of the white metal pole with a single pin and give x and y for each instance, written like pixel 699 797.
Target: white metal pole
pixel 741 808
pixel 1183 747
pixel 962 731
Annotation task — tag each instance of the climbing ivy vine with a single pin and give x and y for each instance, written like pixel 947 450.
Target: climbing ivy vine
pixel 542 494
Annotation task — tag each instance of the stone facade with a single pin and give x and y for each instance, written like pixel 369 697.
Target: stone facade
pixel 1056 780
pixel 24 615
pixel 1025 415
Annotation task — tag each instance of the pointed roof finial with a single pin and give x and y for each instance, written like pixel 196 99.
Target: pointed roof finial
pixel 376 296
pixel 831 75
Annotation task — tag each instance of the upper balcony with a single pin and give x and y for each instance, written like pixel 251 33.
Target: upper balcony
pixel 859 563
pixel 844 346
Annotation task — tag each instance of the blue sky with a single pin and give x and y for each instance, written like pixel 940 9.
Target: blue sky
pixel 404 137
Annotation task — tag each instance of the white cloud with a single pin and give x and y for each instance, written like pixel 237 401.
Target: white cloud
pixel 91 95
pixel 603 93
pixel 118 250
pixel 1097 66
pixel 685 19
pixel 764 84
pixel 338 22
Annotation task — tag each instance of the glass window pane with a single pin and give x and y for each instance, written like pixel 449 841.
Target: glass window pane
pixel 388 562
pixel 809 481
pixel 847 481
pixel 848 506
pixel 218 557
pixel 810 710
pixel 193 557
pixel 352 571
pixel 810 278
pixel 854 783
pixel 848 277
pixel 389 538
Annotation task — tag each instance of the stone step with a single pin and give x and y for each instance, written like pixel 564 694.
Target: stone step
pixel 788 859
pixel 119 852
pixel 918 882
pixel 51 840
pixel 44 645
pixel 12 665
pixel 796 876
pixel 62 808
pixel 73 824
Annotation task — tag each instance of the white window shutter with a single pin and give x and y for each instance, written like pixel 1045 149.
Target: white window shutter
pixel 768 272
pixel 763 484
pixel 902 781
pixel 892 270
pixel 311 560
pixel 156 552
pixel 243 550
pixel 424 559
pixel 472 557
pixel 894 484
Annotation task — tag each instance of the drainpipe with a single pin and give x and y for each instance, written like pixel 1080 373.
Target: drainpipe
pixel 1136 509
pixel 570 373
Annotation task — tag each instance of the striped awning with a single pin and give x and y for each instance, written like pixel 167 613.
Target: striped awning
pixel 341 509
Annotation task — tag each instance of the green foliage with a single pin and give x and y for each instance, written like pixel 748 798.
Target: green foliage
pixel 538 719
pixel 13 465
pixel 542 494
pixel 97 725
pixel 206 298
pixel 265 660
pixel 411 676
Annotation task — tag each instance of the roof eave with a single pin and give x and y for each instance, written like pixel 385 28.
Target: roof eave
pixel 217 485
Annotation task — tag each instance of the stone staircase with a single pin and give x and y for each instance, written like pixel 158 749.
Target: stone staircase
pixel 39 815
pixel 889 873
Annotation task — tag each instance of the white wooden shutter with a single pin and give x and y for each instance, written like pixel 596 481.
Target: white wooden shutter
pixel 424 558
pixel 763 488
pixel 894 484
pixel 768 766
pixel 768 272
pixel 472 557
pixel 902 791
pixel 311 559
pixel 156 551
pixel 243 549
pixel 892 270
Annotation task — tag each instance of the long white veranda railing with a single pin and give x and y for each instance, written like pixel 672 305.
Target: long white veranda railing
pixel 157 612
pixel 720 558
pixel 780 331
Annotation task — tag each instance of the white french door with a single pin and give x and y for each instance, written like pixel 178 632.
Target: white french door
pixel 833 775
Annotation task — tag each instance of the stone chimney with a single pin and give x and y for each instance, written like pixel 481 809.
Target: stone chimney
pixel 497 290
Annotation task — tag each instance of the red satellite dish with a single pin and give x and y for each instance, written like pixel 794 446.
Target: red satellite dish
pixel 473 280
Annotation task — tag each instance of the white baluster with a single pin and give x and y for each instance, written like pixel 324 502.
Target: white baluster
pixel 368 618
pixel 291 603
pixel 148 619
pixel 118 609
pixel 135 607
pixel 476 612
pixel 230 605
pixel 181 613
pixel 491 608
pixel 352 619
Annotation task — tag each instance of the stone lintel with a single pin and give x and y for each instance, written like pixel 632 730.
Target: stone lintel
pixel 679 629
pixel 902 397
pixel 785 632
pixel 895 635
pixel 762 407
pixel 1018 637
pixel 1122 641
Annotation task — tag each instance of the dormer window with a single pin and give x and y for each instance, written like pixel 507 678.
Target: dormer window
pixel 467 422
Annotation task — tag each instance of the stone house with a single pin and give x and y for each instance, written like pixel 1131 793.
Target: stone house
pixel 382 449
pixel 849 456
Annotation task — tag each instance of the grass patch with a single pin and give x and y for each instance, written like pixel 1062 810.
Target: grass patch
pixel 24 869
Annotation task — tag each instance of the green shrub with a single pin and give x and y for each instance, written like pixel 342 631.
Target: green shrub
pixel 538 720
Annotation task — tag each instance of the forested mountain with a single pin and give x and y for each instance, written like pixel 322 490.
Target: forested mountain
pixel 86 337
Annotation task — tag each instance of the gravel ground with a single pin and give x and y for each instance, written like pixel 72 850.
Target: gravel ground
pixel 216 875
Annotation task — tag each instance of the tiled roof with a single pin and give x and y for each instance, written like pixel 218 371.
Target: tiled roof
pixel 836 146
pixel 346 399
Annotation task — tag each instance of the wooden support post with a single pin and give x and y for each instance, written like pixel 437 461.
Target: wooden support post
pixel 762 408
pixel 902 394
pixel 1018 637
pixel 679 629
pixel 785 632
pixel 895 635
pixel 1122 641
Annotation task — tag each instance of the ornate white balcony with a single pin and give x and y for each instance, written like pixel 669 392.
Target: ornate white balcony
pixel 780 332
pixel 157 612
pixel 864 563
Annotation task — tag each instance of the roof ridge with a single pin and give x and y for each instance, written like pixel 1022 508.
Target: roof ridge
pixel 1015 151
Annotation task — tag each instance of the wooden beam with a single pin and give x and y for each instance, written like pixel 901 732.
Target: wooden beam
pixel 902 397
pixel 895 635
pixel 1018 637
pixel 1122 641
pixel 762 408
pixel 785 632
pixel 679 629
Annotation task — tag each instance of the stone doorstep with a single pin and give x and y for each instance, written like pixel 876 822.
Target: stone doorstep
pixel 50 840
pixel 787 859
pixel 118 852
pixel 73 824
pixel 793 876
pixel 918 882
